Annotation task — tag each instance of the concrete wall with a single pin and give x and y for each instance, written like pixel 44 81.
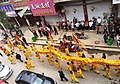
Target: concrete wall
pixel 52 19
pixel 100 8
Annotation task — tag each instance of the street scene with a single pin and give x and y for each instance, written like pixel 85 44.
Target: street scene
pixel 60 42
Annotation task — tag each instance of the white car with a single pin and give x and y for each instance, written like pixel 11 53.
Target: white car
pixel 5 72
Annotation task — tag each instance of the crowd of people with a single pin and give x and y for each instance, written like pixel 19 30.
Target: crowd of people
pixel 106 26
pixel 73 67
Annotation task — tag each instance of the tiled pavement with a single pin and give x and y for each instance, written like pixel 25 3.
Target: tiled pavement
pixel 88 42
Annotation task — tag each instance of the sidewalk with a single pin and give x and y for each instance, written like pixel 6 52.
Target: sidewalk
pixel 90 42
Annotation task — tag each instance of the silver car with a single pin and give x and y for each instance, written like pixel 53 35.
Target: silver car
pixel 5 72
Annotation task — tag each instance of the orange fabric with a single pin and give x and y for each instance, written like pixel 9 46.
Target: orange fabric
pixel 50 37
pixel 17 38
pixel 76 40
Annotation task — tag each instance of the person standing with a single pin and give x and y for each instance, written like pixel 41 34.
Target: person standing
pixel 105 37
pixel 24 40
pixel 40 32
pixel 38 24
pixel 74 20
pixel 72 26
pixel 55 30
pixel 34 32
pixel 68 24
pixel 49 26
pixel 77 25
pixel 58 25
pixel 118 40
pixel 62 75
pixel 99 20
pixel 91 25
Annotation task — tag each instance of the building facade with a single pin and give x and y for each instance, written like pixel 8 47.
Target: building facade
pixel 73 8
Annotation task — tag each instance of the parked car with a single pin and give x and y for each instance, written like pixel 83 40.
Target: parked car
pixel 28 77
pixel 5 72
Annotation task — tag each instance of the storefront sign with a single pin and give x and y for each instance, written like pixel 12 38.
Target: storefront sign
pixel 42 7
pixel 116 1
pixel 8 9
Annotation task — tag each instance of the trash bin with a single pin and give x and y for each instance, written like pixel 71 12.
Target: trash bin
pixel 34 39
pixel 109 41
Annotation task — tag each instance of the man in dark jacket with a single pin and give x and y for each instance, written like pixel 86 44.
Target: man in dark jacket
pixel 62 75
pixel 55 30
pixel 24 40
pixel 18 56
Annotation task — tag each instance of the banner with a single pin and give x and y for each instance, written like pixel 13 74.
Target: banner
pixel 116 1
pixel 9 10
pixel 42 7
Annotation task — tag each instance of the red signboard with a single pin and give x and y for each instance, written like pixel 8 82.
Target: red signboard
pixel 42 7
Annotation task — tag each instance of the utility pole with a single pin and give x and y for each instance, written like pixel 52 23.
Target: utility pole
pixel 85 10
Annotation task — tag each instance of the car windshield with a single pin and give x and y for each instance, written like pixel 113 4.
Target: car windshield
pixel 1 67
pixel 38 81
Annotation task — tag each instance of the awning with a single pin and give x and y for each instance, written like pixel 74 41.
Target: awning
pixel 21 13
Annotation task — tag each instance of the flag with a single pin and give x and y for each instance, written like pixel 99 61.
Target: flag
pixel 2 47
pixel 76 40
pixel 17 37
pixel 50 37
pixel 21 13
pixel 10 42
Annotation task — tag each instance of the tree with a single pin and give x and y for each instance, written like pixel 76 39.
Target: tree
pixel 6 21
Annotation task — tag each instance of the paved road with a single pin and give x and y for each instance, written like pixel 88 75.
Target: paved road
pixel 51 71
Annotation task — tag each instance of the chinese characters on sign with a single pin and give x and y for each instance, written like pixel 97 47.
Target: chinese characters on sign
pixel 42 7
